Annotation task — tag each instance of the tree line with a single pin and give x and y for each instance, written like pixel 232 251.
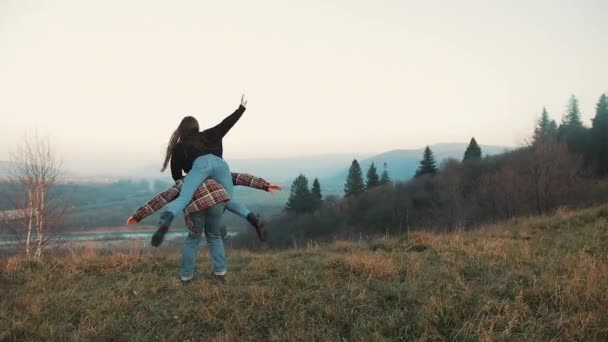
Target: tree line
pixel 560 165
pixel 303 200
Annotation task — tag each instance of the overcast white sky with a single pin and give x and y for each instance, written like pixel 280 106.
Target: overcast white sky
pixel 108 81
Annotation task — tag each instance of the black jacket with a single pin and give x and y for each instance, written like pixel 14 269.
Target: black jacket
pixel 208 141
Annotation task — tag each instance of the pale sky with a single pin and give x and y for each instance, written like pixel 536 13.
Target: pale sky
pixel 108 81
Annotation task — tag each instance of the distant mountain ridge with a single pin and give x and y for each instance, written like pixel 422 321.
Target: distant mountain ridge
pixel 331 169
pixel 402 164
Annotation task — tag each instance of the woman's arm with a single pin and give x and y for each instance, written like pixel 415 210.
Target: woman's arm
pixel 218 132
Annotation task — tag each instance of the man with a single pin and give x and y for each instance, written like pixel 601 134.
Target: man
pixel 203 215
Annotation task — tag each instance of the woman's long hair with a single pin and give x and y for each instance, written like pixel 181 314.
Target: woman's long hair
pixel 186 128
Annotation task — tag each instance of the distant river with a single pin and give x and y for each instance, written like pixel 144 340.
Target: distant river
pixel 108 236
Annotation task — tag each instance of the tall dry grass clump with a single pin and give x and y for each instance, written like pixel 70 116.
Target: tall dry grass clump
pixel 375 265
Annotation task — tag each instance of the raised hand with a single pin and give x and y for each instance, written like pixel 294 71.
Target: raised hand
pixel 274 187
pixel 243 101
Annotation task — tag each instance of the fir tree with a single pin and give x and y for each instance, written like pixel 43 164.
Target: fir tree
pixel 300 198
pixel 552 130
pixel 572 119
pixel 473 151
pixel 545 129
pixel 354 181
pixel 428 166
pixel 599 137
pixel 385 178
pixel 317 197
pixel 571 129
pixel 372 177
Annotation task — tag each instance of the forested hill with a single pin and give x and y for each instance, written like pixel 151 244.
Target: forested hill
pixel 402 164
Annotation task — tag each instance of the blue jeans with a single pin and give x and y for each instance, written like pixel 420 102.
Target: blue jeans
pixel 204 167
pixel 209 222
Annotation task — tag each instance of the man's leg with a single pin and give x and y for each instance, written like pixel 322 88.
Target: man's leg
pixel 213 225
pixel 224 232
pixel 191 245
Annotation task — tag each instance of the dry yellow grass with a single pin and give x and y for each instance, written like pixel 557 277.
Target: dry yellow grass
pixel 376 265
pixel 543 278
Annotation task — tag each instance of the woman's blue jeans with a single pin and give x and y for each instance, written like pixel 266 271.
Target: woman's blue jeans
pixel 204 167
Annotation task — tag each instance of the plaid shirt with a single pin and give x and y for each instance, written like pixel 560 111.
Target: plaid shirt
pixel 208 194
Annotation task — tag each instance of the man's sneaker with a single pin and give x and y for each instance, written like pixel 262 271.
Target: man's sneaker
pixel 186 280
pixel 163 228
pixel 221 278
pixel 258 224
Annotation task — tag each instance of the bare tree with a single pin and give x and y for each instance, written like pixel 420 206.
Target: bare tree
pixel 554 173
pixel 452 209
pixel 36 170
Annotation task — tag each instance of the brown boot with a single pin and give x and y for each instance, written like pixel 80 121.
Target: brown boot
pixel 259 225
pixel 163 228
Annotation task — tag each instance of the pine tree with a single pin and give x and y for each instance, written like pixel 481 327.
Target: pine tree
pixel 599 137
pixel 372 177
pixel 571 129
pixel 545 129
pixel 572 119
pixel 385 178
pixel 300 198
pixel 317 197
pixel 552 130
pixel 354 181
pixel 428 166
pixel 473 151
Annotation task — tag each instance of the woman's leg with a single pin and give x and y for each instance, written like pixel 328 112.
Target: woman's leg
pixel 238 208
pixel 201 169
pixel 213 226
pixel 220 171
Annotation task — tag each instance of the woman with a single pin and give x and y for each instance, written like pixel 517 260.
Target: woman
pixel 199 155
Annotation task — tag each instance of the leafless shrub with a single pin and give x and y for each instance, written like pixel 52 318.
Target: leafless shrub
pixel 35 170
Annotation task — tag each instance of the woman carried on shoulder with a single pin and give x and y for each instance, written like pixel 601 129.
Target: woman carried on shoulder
pixel 199 154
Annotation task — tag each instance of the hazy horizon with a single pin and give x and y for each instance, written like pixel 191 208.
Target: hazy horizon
pixel 109 81
pixel 280 167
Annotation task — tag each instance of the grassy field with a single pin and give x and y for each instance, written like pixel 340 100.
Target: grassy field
pixel 543 278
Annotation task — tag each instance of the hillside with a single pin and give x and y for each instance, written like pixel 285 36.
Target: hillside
pixel 543 278
pixel 99 200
